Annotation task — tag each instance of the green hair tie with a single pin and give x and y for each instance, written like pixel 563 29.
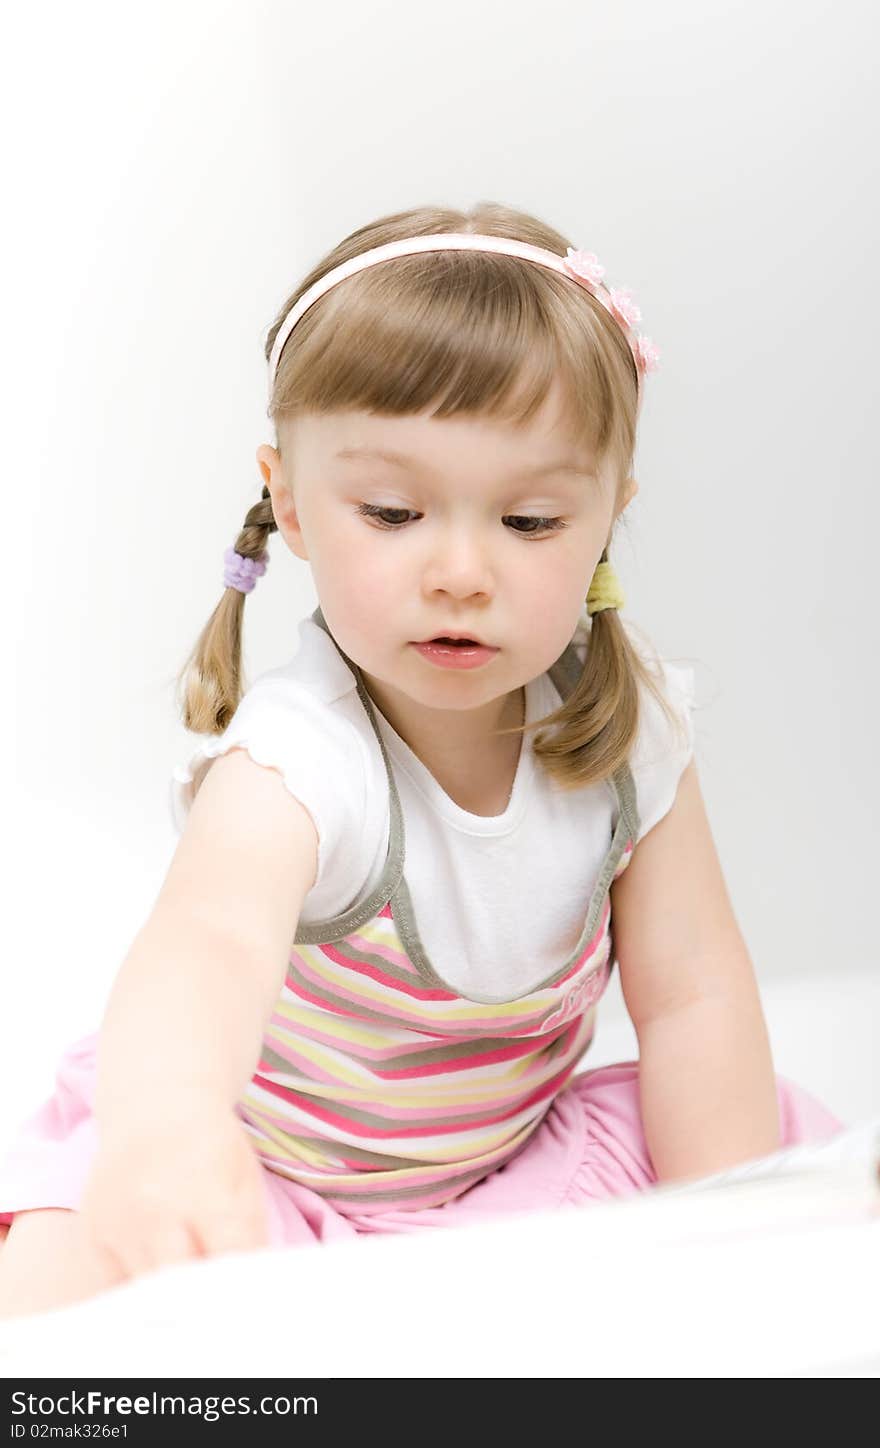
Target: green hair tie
pixel 604 591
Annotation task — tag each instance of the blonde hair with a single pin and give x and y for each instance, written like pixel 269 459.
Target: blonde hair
pixel 464 333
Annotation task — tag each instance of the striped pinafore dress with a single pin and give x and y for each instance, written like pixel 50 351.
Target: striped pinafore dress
pixel 380 1087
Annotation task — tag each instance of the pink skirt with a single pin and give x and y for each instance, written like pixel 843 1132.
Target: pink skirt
pixel 589 1147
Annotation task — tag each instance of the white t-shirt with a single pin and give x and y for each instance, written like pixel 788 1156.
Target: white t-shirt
pixel 499 901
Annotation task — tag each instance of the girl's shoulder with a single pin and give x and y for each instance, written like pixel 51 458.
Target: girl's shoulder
pixel 304 720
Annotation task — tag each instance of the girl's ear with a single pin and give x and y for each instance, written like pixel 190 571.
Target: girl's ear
pixel 630 489
pixel 283 506
pixel 269 463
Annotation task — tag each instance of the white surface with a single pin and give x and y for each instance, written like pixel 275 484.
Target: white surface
pixel 762 1278
pixel 769 1271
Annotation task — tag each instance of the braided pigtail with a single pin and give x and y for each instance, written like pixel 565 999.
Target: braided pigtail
pixel 596 726
pixel 209 683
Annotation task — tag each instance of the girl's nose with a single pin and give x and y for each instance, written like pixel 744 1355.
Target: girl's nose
pixel 459 565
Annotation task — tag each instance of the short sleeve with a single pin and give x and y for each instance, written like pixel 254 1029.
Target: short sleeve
pixel 316 751
pixel 663 748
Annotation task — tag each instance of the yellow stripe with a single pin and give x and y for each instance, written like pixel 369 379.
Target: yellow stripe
pixel 400 1175
pixel 367 1096
pixel 527 1007
pixel 350 1030
pixel 367 1087
pixel 323 1056
pixel 281 1140
pixel 439 1150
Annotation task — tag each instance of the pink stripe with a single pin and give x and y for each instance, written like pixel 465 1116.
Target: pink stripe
pixel 398 1012
pixel 360 1129
pixel 399 958
pixel 358 967
pixel 435 1183
pixel 292 1058
pixel 394 1012
pixel 590 949
pixel 394 954
pixel 405 1073
pixel 356 1050
pixel 303 994
pixel 430 1111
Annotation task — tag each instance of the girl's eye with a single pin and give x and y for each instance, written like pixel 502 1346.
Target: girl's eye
pixel 544 525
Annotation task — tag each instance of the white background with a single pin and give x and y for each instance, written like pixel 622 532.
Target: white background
pixel 171 171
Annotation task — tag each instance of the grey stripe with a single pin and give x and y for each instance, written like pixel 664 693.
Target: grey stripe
pixel 404 1193
pixel 369 1158
pixel 361 1012
pixel 372 957
pixel 431 1055
pixel 462 1179
pixel 356 1153
pixel 400 1194
pixel 327 997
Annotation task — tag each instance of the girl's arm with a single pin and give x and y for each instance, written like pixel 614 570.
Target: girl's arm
pixel 187 1011
pixel 706 1078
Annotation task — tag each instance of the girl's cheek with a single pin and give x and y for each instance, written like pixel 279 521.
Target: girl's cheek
pixel 364 586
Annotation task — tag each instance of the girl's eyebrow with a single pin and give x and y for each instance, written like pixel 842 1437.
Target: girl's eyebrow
pixel 388 455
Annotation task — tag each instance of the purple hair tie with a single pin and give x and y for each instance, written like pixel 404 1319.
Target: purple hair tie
pixel 242 573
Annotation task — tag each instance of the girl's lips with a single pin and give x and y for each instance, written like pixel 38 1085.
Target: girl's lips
pixel 455 656
pixel 455 639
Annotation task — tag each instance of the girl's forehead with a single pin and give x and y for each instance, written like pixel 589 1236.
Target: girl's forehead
pixel 356 435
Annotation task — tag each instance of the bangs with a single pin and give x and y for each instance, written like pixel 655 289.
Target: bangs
pixel 456 334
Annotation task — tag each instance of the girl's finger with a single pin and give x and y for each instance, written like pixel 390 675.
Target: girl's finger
pixel 169 1242
pixel 234 1232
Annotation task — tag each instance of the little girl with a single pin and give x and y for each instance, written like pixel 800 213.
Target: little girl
pixel 374 966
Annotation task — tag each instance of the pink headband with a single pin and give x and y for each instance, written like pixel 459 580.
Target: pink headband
pixel 582 266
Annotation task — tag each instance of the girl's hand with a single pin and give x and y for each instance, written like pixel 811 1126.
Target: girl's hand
pixel 185 1184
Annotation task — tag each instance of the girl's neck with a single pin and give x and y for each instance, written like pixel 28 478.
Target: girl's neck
pixel 475 768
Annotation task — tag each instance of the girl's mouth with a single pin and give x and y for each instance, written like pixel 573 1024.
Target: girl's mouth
pixel 455 653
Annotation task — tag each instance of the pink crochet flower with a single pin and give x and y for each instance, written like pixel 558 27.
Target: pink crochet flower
pixel 584 265
pixel 623 306
pixel 586 268
pixel 647 356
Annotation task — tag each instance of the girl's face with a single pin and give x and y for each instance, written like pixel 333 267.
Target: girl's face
pixel 475 526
